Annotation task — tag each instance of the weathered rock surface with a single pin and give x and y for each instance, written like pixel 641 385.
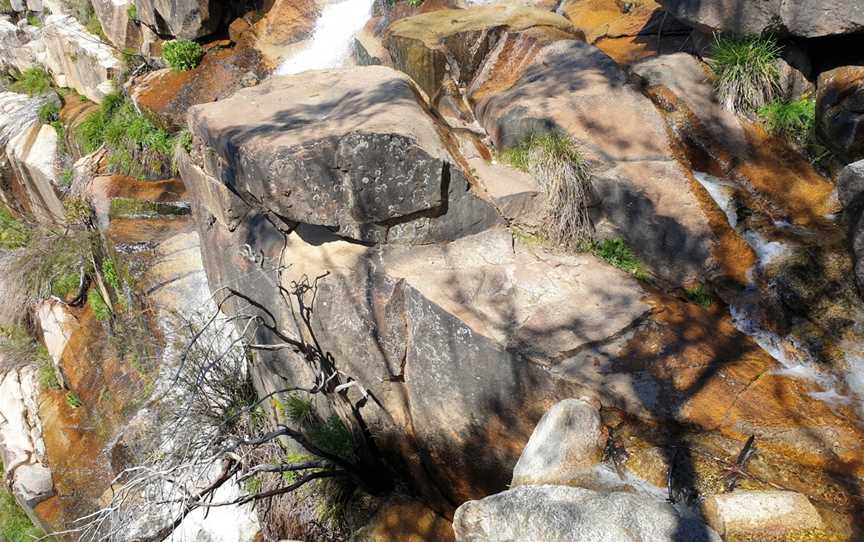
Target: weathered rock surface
pixel 118 27
pixel 58 325
pixel 169 94
pixel 840 111
pixel 20 48
pixel 644 193
pixel 564 447
pixel 628 31
pixel 33 159
pixel 185 19
pixel 79 60
pixel 454 43
pixel 570 514
pixel 22 449
pixel 267 144
pixel 804 18
pixel 850 190
pixel 761 513
pixel 278 32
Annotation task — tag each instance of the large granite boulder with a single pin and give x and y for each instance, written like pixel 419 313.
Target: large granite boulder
pixel 22 450
pixel 118 26
pixel 78 59
pixel 850 189
pixel 645 195
pixel 840 111
pixel 169 94
pixel 755 515
pixel 571 514
pixel 184 19
pixel 803 18
pixel 454 43
pixel 33 159
pixel 378 170
pixel 20 46
pixel 564 447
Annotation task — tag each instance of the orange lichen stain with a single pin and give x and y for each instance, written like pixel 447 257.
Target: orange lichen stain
pixel 147 230
pixel 109 390
pixel 408 522
pixel 119 186
pixel 785 178
pixel 716 378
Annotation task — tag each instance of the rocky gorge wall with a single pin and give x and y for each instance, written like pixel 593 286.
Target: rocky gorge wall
pixel 452 323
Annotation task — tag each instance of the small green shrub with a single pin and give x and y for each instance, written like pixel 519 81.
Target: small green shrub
pixel 48 375
pixel 13 234
pixel 699 295
pixel 94 26
pixel 136 145
pixel 747 73
pixel 616 253
pixel 558 167
pixel 66 286
pixel 34 20
pixel 49 113
pixel 796 120
pixel 132 12
pixel 333 437
pixel 182 55
pixel 98 305
pixel 67 176
pixel 15 526
pixel 33 81
pixel 298 409
pixel 73 400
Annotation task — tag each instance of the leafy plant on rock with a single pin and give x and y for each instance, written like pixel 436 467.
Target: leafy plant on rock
pixel 748 76
pixel 616 253
pixel 794 120
pixel 182 55
pixel 136 145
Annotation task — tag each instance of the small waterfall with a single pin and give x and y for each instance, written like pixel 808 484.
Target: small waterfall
pixel 745 309
pixel 331 41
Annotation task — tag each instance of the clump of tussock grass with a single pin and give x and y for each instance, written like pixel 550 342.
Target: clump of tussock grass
pixel 555 161
pixel 748 76
pixel 794 120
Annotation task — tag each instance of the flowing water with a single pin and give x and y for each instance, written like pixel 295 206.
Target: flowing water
pixel 330 45
pixel 775 244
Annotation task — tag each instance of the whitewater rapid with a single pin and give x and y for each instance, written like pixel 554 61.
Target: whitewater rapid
pixel 332 38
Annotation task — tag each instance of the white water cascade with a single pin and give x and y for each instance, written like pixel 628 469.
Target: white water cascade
pixel 332 38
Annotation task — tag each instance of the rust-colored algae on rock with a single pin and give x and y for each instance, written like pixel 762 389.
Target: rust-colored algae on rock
pixel 107 389
pixel 407 522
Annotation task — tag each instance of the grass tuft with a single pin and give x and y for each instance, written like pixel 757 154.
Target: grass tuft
pixel 98 305
pixel 33 82
pixel 616 253
pixel 795 120
pixel 136 145
pixel 555 162
pixel 700 295
pixel 747 73
pixel 15 526
pixel 13 234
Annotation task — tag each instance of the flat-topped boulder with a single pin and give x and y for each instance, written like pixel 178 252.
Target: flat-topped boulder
pixel 455 42
pixel 803 18
pixel 645 195
pixel 351 149
pixel 78 59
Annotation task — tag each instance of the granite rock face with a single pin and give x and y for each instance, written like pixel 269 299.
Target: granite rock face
pixel 571 514
pixel 758 514
pixel 79 60
pixel 378 170
pixel 803 18
pixel 184 19
pixel 840 111
pixel 564 447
